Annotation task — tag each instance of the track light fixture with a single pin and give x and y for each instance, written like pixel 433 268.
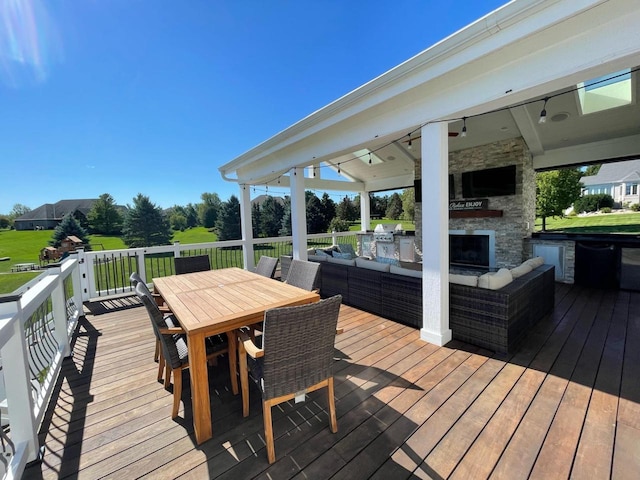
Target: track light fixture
pixel 409 146
pixel 543 113
pixel 464 127
pixel 369 158
pixel 338 169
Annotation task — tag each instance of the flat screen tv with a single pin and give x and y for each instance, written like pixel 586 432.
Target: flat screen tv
pixel 490 182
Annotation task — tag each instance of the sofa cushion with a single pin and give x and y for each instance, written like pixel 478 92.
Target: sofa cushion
pixel 341 261
pixel 317 258
pixel 495 280
pixel 371 265
pixel 468 280
pixel 407 272
pixel 535 262
pixel 521 270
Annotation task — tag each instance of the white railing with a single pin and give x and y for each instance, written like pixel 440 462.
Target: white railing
pixel 36 325
pixel 106 273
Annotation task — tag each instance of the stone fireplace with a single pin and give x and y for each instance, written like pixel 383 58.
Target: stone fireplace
pixel 510 218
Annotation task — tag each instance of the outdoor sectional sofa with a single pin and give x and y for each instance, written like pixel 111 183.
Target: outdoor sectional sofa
pixel 493 319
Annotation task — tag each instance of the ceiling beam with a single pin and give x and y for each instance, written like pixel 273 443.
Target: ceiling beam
pixel 527 128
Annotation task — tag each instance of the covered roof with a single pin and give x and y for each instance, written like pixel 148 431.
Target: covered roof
pixel 496 72
pixel 617 172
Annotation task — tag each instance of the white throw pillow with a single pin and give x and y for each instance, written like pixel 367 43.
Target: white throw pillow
pixel 495 281
pixel 468 280
pixel 520 270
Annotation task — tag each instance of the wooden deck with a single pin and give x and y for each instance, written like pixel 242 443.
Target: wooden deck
pixel 566 404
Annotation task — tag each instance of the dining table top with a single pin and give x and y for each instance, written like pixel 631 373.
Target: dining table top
pixel 217 300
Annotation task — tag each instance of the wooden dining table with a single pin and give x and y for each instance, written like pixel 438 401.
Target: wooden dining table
pixel 220 302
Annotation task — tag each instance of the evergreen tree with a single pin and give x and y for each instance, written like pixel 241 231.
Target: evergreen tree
pixel 271 213
pixel 394 209
pixel 67 227
pixel 315 220
pixel 104 216
pixel 255 220
pixel 191 214
pixel 228 224
pixel 145 224
pixel 556 190
pixel 346 210
pixel 285 225
pixel 328 211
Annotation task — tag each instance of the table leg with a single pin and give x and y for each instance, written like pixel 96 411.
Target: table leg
pixel 233 360
pixel 199 388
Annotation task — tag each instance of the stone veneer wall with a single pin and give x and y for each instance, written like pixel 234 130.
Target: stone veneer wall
pixel 517 222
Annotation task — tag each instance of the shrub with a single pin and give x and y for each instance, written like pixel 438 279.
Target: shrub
pixel 593 203
pixel 572 213
pixel 338 225
pixel 605 210
pixel 635 207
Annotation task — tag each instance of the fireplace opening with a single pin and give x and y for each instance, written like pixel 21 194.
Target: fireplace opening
pixel 472 248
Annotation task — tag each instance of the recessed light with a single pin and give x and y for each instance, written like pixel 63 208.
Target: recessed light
pixel 391 158
pixel 504 129
pixel 560 117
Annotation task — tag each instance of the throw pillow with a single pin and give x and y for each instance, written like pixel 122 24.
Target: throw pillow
pixel 345 256
pixel 390 261
pixel 321 253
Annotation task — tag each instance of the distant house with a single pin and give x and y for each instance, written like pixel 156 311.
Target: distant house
pixel 49 215
pixel 620 180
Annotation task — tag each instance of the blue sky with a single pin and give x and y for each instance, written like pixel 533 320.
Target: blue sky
pixel 152 96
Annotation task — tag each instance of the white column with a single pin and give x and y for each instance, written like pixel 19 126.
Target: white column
pixel 365 211
pixel 59 310
pixel 435 234
pixel 247 228
pixel 298 214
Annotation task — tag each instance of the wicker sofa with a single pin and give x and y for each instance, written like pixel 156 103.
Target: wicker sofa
pixel 493 319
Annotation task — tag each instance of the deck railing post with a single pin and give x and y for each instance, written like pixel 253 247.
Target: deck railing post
pixel 16 378
pixel 76 278
pixel 86 275
pixel 59 311
pixel 140 259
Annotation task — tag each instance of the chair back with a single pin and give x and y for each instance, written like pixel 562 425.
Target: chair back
pixel 298 345
pixel 303 274
pixel 267 266
pixel 135 278
pixel 174 346
pixel 196 263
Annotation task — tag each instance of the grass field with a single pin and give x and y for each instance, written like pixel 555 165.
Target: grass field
pixel 599 223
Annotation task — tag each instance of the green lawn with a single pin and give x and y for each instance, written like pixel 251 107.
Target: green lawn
pixel 600 223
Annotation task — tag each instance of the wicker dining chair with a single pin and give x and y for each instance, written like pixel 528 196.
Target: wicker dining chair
pixel 303 274
pixel 174 352
pixel 296 358
pixel 267 266
pixel 195 263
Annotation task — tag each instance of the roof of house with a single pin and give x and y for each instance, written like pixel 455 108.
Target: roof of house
pixel 56 211
pixel 617 172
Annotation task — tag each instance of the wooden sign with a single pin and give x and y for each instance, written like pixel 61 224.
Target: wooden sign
pixel 475 204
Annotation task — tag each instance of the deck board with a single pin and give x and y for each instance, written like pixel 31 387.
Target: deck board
pixel 567 403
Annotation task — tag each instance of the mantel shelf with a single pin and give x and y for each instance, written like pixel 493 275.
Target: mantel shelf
pixel 474 213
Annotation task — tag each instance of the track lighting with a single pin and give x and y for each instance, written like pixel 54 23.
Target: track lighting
pixel 543 113
pixel 464 127
pixel 410 147
pixel 338 169
pixel 369 158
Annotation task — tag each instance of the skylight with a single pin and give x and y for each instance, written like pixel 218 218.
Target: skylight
pixel 365 154
pixel 605 92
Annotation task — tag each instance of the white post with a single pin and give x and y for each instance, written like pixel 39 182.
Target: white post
pixel 176 249
pixel 86 275
pixel 17 380
pixel 365 211
pixel 435 234
pixel 60 313
pixel 142 271
pixel 77 285
pixel 298 214
pixel 246 226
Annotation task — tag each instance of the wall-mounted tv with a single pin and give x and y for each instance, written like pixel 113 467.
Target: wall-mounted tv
pixel 490 182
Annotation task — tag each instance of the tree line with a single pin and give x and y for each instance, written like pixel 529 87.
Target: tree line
pixel 144 223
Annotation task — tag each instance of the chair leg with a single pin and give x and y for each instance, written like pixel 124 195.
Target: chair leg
pixel 177 391
pixel 167 375
pixel 232 338
pixel 332 405
pixel 156 356
pixel 268 431
pixel 160 366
